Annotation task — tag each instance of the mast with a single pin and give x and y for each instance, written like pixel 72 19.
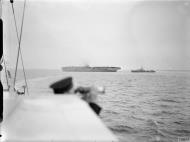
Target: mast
pixel 1 54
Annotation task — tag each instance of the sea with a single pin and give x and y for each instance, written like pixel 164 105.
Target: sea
pixel 137 107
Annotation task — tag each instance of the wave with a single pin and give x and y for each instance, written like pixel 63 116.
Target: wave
pixel 124 129
pixel 184 132
pixel 164 113
pixel 169 100
pixel 137 118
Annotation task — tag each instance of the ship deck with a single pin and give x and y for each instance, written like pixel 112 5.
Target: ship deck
pixel 51 118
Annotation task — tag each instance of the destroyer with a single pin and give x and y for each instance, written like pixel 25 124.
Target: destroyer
pixel 142 70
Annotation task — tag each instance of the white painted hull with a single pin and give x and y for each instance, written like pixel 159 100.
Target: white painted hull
pixel 51 118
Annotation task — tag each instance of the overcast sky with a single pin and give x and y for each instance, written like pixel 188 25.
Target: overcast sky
pixel 155 35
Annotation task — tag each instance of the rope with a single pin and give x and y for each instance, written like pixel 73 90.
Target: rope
pixel 6 73
pixel 17 38
pixel 19 48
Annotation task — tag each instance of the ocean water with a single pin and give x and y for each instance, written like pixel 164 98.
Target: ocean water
pixel 137 107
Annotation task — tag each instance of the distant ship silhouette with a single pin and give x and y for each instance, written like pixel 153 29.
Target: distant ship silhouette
pixel 142 70
pixel 88 68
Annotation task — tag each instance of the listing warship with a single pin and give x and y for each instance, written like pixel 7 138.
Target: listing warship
pixel 88 68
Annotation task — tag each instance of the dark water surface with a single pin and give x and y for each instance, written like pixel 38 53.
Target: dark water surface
pixel 139 107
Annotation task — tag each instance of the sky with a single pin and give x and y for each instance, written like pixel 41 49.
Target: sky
pixel 129 34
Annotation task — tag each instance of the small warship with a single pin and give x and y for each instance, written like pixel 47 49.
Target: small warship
pixel 142 70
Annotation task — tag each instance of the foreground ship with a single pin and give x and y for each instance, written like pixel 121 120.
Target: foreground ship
pixel 142 70
pixel 90 69
pixel 45 117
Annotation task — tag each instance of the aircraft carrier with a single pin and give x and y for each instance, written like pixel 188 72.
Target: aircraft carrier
pixel 89 69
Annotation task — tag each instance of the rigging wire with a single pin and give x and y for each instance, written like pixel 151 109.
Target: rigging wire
pixel 6 73
pixel 19 42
